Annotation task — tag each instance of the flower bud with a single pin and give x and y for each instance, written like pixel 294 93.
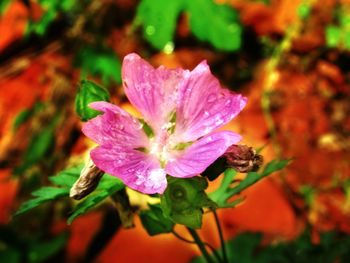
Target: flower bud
pixel 88 180
pixel 242 158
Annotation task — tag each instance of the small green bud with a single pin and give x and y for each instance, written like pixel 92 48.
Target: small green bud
pixel 184 199
pixel 89 92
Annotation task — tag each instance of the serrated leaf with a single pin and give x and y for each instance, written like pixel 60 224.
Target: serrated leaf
pixel 42 195
pixel 216 23
pixel 108 183
pixel 67 178
pixel 274 165
pixel 154 221
pixel 225 191
pixel 159 20
pixel 85 205
pixel 108 186
pixel 102 62
pixel 89 92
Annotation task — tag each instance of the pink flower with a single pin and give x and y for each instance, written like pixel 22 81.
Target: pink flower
pixel 182 107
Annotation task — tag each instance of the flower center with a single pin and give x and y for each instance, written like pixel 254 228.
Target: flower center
pixel 160 147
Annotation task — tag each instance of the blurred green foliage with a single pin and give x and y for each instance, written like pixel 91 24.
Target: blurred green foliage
pixel 34 249
pixel 247 248
pixel 101 62
pixel 3 6
pixel 217 24
pixel 51 10
pixel 339 35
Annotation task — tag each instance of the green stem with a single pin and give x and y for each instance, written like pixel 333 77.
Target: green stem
pixel 222 241
pixel 200 245
pixel 216 254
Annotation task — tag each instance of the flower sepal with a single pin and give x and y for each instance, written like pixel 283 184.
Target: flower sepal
pixel 154 220
pixel 89 92
pixel 184 199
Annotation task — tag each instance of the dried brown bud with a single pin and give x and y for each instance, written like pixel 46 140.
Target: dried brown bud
pixel 88 180
pixel 242 158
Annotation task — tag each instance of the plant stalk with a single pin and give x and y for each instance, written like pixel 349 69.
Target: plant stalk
pixel 200 245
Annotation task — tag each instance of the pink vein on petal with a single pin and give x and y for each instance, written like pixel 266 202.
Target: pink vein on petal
pixel 204 106
pixel 136 169
pixel 154 92
pixel 115 127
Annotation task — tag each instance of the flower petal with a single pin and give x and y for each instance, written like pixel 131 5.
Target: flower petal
pixel 136 169
pixel 197 157
pixel 154 92
pixel 115 127
pixel 204 106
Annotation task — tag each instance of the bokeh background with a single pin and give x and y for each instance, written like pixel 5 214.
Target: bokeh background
pixel 289 57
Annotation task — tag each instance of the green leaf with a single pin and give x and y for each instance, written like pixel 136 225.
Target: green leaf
pixel 89 92
pixel 42 195
pixel 102 62
pixel 225 191
pixel 107 186
pixel 94 199
pixel 184 199
pixel 67 177
pixel 216 23
pixel 154 221
pixel 274 165
pixel 159 20
pixel 89 202
pixel 220 196
pixel 40 252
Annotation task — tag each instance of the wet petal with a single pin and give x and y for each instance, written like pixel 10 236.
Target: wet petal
pixel 197 157
pixel 114 127
pixel 136 169
pixel 204 106
pixel 154 92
